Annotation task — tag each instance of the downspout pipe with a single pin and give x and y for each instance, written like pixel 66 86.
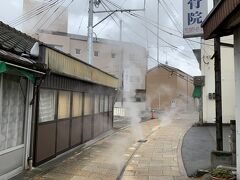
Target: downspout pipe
pixel 34 120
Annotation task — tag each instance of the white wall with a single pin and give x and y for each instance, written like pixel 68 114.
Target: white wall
pixel 228 85
pixel 207 68
pixel 237 97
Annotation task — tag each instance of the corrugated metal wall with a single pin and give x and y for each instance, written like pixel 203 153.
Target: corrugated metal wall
pixel 63 64
pixel 218 17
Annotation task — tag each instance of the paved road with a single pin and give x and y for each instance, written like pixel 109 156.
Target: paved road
pixel 198 143
pixel 158 158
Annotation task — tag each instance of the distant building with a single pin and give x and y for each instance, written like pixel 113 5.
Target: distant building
pixel 168 87
pixel 126 61
pixel 228 83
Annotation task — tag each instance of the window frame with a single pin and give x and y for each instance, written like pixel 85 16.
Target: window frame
pixel 76 51
pixel 70 103
pixel 101 109
pixel 113 55
pixel 106 107
pixel 82 101
pixel 91 104
pixel 55 108
pixel 97 95
pixel 96 53
pixel 25 111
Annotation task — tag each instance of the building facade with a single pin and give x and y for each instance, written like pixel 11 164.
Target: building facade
pixel 228 83
pixel 223 21
pixel 74 105
pixel 18 77
pixel 126 61
pixel 168 87
pixel 51 102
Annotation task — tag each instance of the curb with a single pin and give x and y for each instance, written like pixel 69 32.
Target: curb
pixel 180 160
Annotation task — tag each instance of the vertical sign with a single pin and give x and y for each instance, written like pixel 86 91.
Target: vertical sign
pixel 194 13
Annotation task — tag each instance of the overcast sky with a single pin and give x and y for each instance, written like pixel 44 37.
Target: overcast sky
pixel 133 28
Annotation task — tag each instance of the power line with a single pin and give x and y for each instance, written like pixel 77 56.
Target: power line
pixel 51 15
pixel 38 22
pixel 174 21
pixel 172 71
pixel 154 24
pixel 80 25
pixel 33 14
pixel 173 47
pixel 34 10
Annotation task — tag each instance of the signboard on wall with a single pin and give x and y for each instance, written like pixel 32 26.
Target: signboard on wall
pixel 194 13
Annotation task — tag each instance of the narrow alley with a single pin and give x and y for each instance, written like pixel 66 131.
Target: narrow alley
pixel 146 151
pixel 119 90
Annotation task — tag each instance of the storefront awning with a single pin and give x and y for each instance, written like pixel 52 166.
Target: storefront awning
pixel 222 19
pixel 4 67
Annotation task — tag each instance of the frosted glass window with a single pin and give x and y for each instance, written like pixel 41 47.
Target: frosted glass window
pixel 96 104
pixel 87 104
pixel 110 103
pixel 106 104
pixel 64 105
pixel 77 104
pixel 13 91
pixel 101 103
pixel 47 103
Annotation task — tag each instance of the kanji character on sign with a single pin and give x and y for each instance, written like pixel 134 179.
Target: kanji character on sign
pixel 194 18
pixel 194 3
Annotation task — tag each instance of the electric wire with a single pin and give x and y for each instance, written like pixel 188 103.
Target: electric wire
pixel 174 21
pixel 33 14
pixel 172 46
pixel 34 10
pixel 155 24
pixel 108 8
pixel 52 15
pixel 80 25
pixel 171 71
pixel 45 15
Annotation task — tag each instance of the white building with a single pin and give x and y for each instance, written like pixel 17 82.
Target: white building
pixel 228 84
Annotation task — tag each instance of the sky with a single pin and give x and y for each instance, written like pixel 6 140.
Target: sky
pixel 135 30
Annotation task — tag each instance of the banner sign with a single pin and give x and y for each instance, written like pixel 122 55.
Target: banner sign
pixel 194 13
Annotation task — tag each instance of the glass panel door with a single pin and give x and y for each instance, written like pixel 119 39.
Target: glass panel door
pixel 13 97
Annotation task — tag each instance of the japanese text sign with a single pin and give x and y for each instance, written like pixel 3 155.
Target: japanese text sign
pixel 194 13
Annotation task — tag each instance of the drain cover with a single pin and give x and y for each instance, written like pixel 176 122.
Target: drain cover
pixel 142 140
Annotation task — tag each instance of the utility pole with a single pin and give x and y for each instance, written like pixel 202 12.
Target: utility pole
pixel 122 59
pixel 121 29
pixel 158 11
pixel 218 91
pixel 90 32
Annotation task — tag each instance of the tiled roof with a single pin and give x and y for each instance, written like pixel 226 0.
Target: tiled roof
pixel 15 41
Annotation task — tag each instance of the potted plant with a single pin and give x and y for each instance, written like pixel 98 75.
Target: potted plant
pixel 221 174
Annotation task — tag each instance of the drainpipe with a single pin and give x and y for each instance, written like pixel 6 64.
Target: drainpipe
pixel 33 103
pixel 233 141
pixel 34 119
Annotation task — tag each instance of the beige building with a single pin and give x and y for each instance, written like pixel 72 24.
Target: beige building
pixel 54 16
pixel 126 61
pixel 168 87
pixel 228 82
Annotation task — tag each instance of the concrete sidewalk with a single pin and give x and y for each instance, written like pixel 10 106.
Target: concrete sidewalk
pixel 158 158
